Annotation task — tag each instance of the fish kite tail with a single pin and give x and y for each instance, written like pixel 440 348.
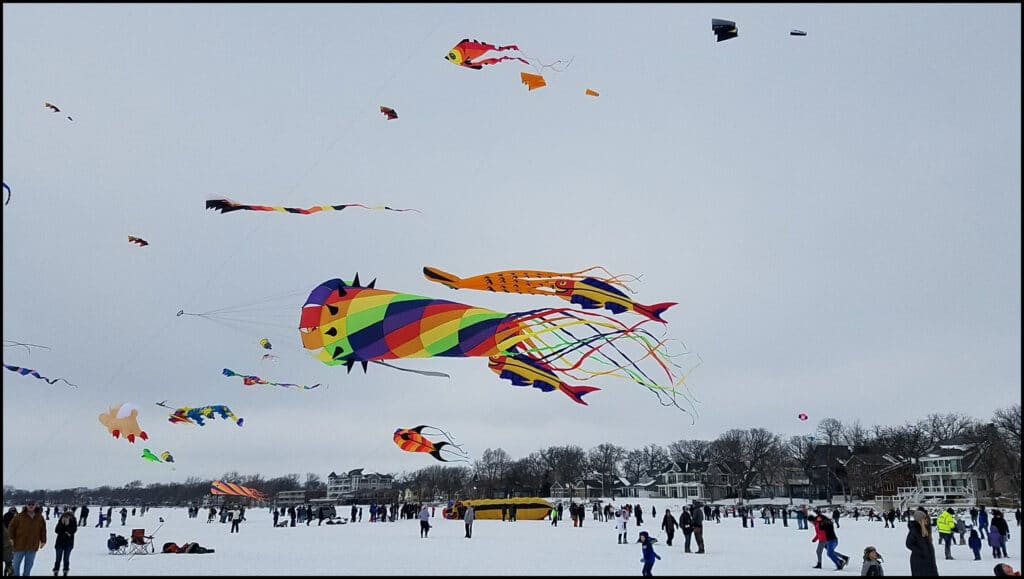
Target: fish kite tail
pixel 577 392
pixel 436 453
pixel 449 279
pixel 508 47
pixel 653 311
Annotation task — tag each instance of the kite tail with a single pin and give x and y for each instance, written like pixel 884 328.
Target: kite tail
pixel 555 66
pixel 576 392
pixel 449 279
pixel 654 311
pixel 436 453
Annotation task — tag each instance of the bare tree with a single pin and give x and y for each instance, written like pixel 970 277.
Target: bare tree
pixel 951 426
pixel 856 435
pixel 313 482
pixel 656 459
pixel 690 451
pixel 633 465
pixel 604 459
pixel 567 463
pixel 490 469
pixel 750 450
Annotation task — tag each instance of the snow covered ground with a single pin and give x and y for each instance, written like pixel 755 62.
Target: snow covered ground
pixel 497 548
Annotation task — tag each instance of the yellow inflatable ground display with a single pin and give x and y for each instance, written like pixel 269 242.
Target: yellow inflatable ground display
pixel 527 508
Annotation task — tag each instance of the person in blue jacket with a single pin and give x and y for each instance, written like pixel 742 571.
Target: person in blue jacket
pixel 649 556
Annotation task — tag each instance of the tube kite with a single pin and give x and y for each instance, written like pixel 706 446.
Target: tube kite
pixel 253 380
pixel 227 206
pixel 189 415
pixel 218 487
pixel 34 374
pixel 123 420
pixel 575 287
pixel 348 324
pixel 413 440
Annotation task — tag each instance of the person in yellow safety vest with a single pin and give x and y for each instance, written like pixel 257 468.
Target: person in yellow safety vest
pixel 945 524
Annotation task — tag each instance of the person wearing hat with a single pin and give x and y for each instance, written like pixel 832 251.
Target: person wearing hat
pixel 872 566
pixel 647 550
pixel 1005 570
pixel 28 535
pixel 919 541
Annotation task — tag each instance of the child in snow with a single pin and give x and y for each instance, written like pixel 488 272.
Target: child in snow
pixel 649 556
pixel 975 543
pixel 872 566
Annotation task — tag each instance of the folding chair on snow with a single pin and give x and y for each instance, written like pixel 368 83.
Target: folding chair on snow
pixel 141 543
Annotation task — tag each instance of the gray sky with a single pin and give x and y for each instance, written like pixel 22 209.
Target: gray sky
pixel 838 216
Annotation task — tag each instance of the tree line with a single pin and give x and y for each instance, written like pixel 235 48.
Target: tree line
pixel 761 457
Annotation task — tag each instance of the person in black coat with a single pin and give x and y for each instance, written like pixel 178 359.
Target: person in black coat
pixel 669 524
pixel 686 524
pixel 922 550
pixel 65 530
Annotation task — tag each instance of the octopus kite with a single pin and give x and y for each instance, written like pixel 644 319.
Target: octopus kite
pixel 413 440
pixel 253 380
pixel 227 206
pixel 189 415
pixel 467 52
pixel 576 287
pixel 348 324
pixel 34 374
pixel 123 420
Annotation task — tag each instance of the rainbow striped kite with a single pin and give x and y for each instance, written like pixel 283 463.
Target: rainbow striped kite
pixel 219 487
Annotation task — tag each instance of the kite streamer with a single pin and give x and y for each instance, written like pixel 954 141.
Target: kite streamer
pixel 227 206
pixel 253 380
pixel 34 374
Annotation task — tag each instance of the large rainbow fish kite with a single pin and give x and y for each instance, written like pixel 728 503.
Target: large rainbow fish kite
pixel 253 380
pixel 34 374
pixel 543 348
pixel 218 487
pixel 576 287
pixel 227 206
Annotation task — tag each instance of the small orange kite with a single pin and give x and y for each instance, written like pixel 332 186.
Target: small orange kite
pixel 532 80
pixel 592 92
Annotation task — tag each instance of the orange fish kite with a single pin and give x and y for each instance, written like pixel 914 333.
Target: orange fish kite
pixel 412 440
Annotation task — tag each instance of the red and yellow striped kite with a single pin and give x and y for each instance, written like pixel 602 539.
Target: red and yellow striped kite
pixel 219 487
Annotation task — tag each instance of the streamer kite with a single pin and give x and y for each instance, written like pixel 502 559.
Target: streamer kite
pixel 231 489
pixel 123 420
pixel 349 324
pixel 389 113
pixel 33 373
pixel 54 108
pixel 254 380
pixel 198 416
pixel 413 440
pixel 576 287
pixel 227 206
pixel 138 241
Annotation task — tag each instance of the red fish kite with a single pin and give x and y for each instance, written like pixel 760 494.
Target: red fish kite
pixel 467 53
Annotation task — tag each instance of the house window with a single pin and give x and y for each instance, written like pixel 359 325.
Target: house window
pixel 692 492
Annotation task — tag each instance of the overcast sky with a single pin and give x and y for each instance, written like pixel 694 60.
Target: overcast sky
pixel 838 216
